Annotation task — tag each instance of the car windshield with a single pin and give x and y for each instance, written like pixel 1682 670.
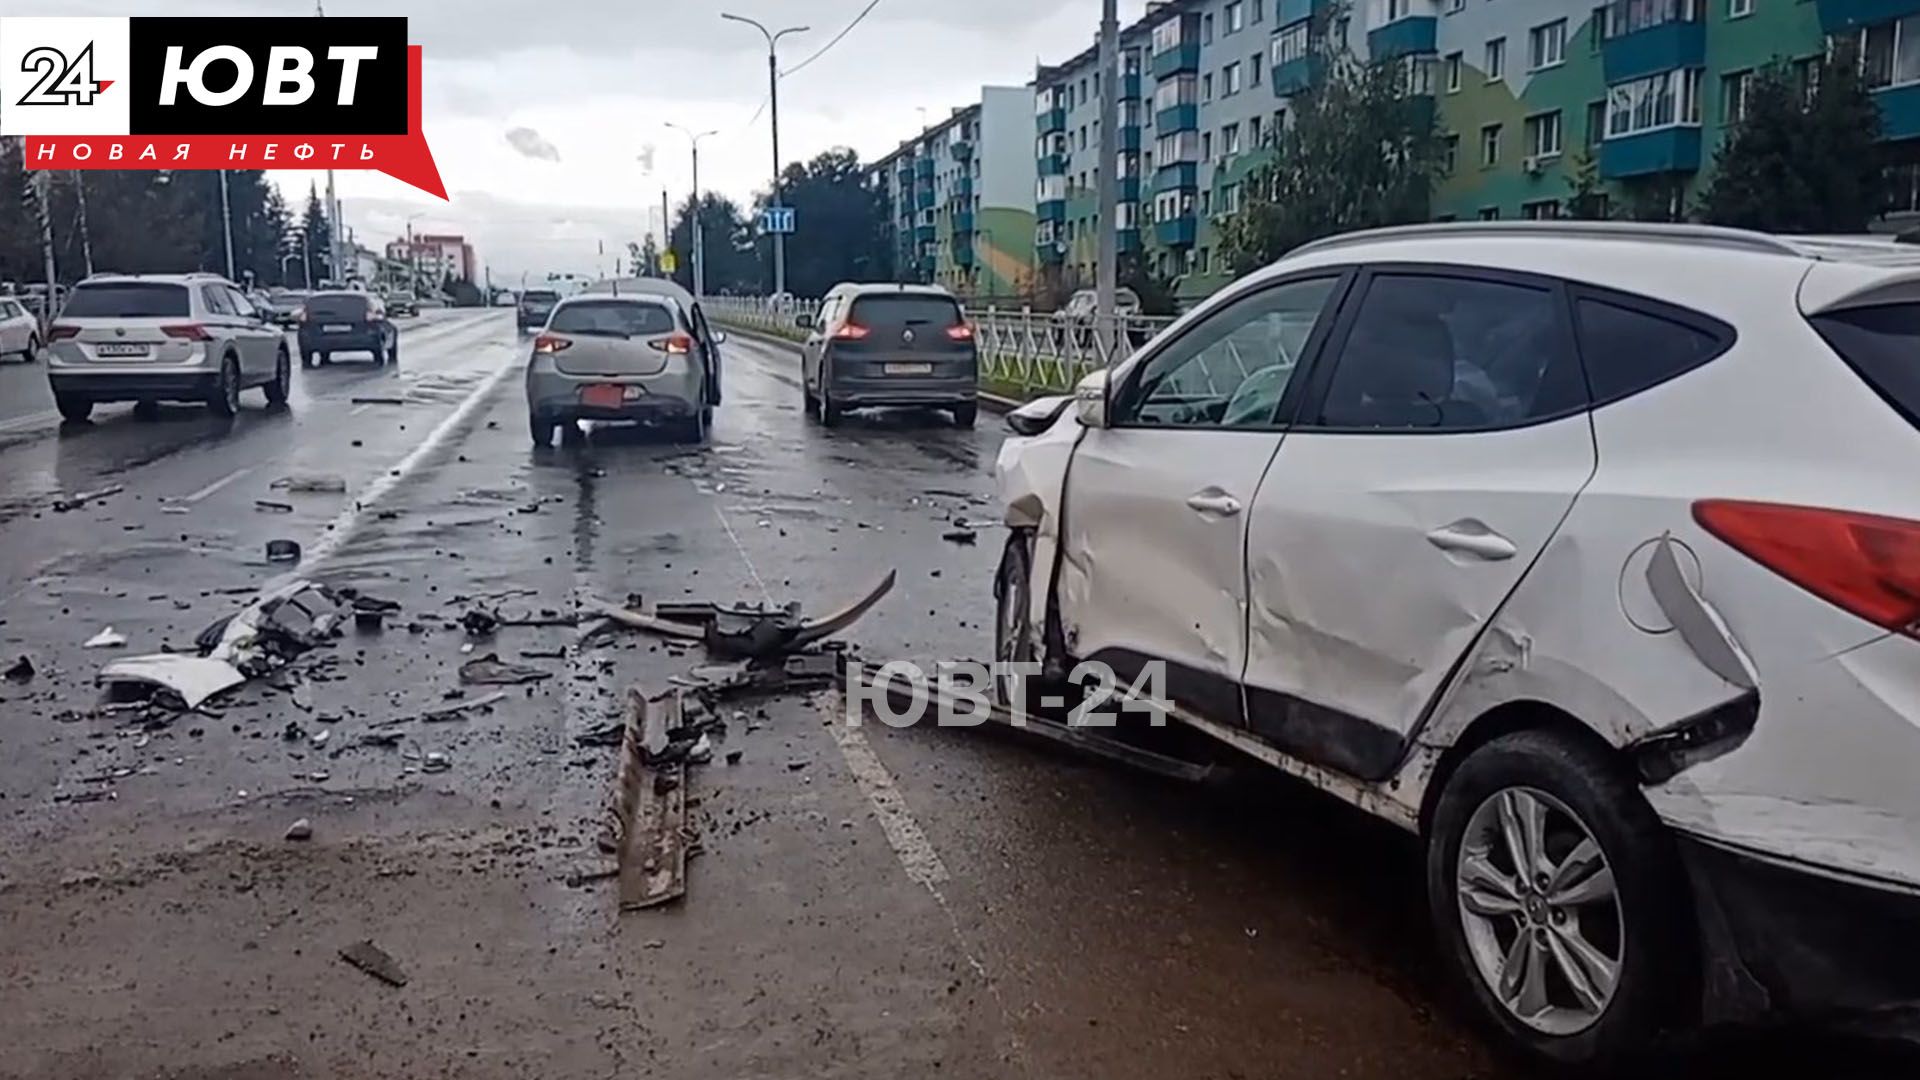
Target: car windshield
pixel 611 318
pixel 128 300
pixel 344 306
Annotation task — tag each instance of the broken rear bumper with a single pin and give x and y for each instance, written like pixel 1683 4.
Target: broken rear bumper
pixel 1783 941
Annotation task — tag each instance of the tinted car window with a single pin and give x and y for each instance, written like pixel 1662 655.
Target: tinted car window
pixel 905 311
pixel 345 307
pixel 1232 369
pixel 539 296
pixel 129 300
pixel 215 298
pixel 1628 350
pixel 611 318
pixel 1432 353
pixel 1882 344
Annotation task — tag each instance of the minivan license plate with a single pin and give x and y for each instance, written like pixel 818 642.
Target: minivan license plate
pixel 120 349
pixel 909 369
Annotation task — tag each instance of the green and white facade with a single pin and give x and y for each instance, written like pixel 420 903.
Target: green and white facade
pixel 959 198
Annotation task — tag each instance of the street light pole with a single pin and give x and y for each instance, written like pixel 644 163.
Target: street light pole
pixel 773 102
pixel 86 241
pixel 698 235
pixel 226 222
pixel 1106 186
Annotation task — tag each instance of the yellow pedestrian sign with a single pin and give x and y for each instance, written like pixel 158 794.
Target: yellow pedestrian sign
pixel 668 264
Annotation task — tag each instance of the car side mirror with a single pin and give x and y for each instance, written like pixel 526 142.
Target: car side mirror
pixel 719 337
pixel 803 320
pixel 1090 400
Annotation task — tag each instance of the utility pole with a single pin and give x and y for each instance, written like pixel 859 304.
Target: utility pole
pixel 40 184
pixel 1106 186
pixel 306 260
pixel 696 233
pixel 666 228
pixel 86 240
pixel 226 222
pixel 333 203
pixel 773 102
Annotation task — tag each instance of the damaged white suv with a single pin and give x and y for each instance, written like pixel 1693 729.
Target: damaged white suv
pixel 1588 552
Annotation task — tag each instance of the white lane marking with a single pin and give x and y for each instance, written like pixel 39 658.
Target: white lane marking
pixel 343 524
pixel 20 423
pixel 215 486
pixel 909 842
pixel 741 548
pixel 358 409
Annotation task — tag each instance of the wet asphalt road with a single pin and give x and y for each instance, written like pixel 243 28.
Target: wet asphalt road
pixel 878 902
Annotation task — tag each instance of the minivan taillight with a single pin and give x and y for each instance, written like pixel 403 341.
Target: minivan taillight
pixel 61 332
pixel 850 332
pixel 1863 563
pixel 187 331
pixel 551 343
pixel 961 332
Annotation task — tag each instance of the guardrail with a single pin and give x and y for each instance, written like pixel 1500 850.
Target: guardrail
pixel 1022 353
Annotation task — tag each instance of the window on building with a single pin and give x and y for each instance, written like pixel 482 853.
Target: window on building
pixel 1236 17
pixel 1229 140
pixel 1179 90
pixel 1631 16
pixel 1256 5
pixel 1253 69
pixel 1253 131
pixel 1496 62
pixel 1890 53
pixel 1230 80
pixel 1083 91
pixel 1206 203
pixel 1541 210
pixel 1657 101
pixel 1206 29
pixel 1490 146
pixel 1489 213
pixel 1168 36
pixel 1547 45
pixel 1203 263
pixel 1450 154
pixel 1734 88
pixel 1455 7
pixel 1455 64
pixel 1206 88
pixel 1177 147
pixel 1543 135
pixel 1419 75
pixel 1596 123
pixel 1739 8
pixel 1290 43
pixel 1206 146
pixel 1229 199
pixel 1083 138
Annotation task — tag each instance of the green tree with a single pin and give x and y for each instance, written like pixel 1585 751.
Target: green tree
pixel 728 242
pixel 837 221
pixel 1587 196
pixel 1362 151
pixel 313 228
pixel 1801 162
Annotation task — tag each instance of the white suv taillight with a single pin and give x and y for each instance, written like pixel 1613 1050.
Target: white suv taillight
pixel 1863 563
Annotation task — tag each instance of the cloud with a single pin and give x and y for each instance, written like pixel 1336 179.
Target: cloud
pixel 530 144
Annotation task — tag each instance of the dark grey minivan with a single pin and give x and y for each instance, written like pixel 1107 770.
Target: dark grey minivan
pixel 889 345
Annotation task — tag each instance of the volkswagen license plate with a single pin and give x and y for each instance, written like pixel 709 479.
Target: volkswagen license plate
pixel 113 348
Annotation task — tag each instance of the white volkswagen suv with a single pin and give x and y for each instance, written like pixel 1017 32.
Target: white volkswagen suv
pixel 1588 552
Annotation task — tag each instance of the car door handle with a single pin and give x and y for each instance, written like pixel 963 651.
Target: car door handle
pixel 1472 538
pixel 1216 503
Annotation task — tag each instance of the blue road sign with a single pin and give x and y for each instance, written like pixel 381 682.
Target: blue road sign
pixel 776 219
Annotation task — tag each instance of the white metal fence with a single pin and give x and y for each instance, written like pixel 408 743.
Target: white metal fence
pixel 1022 352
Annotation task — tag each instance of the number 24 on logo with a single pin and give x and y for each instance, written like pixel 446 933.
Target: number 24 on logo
pixel 60 82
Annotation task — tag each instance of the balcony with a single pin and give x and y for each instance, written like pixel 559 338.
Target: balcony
pixel 962 190
pixel 1050 121
pixel 1051 252
pixel 923 234
pixel 1294 76
pixel 962 225
pixel 1129 241
pixel 1288 12
pixel 1654 49
pixel 1840 15
pixel 1129 190
pixel 1178 118
pixel 963 151
pixel 923 168
pixel 1053 165
pixel 1180 174
pixel 963 250
pixel 1175 232
pixel 923 199
pixel 1411 36
pixel 1130 87
pixel 1054 210
pixel 1899 111
pixel 1672 149
pixel 1130 139
pixel 1184 57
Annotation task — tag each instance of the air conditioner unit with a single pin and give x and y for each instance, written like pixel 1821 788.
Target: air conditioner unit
pixel 1532 164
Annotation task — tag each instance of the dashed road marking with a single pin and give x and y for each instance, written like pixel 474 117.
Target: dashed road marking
pixel 215 486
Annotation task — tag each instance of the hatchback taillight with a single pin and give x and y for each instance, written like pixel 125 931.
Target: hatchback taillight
pixel 678 344
pixel 961 332
pixel 187 332
pixel 1863 563
pixel 61 332
pixel 850 332
pixel 551 343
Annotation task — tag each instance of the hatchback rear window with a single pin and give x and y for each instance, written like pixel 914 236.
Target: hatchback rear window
pixel 904 311
pixel 537 296
pixel 1881 344
pixel 130 300
pixel 612 318
pixel 337 307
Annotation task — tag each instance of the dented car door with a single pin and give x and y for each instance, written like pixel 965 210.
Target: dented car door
pixel 1441 445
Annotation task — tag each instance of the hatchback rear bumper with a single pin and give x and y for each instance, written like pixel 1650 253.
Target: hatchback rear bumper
pixel 904 390
pixel 1785 941
pixel 368 341
pixel 104 386
pixel 669 396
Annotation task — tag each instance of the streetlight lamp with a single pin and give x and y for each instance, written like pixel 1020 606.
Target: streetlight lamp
pixel 696 233
pixel 773 101
pixel 284 259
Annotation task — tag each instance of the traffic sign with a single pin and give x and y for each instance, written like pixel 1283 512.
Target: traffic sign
pixel 776 219
pixel 668 263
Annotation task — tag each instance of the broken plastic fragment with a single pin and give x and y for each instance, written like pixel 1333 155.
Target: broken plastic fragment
pixel 106 639
pixel 193 679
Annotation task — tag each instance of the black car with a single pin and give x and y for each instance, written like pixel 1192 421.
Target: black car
pixel 333 322
pixel 889 345
pixel 535 306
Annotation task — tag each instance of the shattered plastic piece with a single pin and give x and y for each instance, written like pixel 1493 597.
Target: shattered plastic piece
pixel 75 502
pixel 193 679
pixel 381 738
pixel 608 734
pixel 963 536
pixel 436 761
pixel 312 485
pixel 21 671
pixel 293 732
pixel 283 551
pixel 319 738
pixel 106 639
pixel 701 752
pixel 300 830
pixel 480 622
pixel 454 711
pixel 490 670
pixel 378 401
pixel 733 756
pixel 375 961
pixel 273 507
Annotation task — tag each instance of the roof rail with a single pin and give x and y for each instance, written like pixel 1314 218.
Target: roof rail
pixel 1688 235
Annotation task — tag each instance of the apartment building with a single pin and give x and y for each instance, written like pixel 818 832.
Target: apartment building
pixel 959 198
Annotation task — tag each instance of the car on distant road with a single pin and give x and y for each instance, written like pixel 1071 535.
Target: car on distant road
pixel 1587 552
pixel 636 350
pixel 535 305
pixel 19 330
pixel 879 345
pixel 150 338
pixel 283 306
pixel 400 303
pixel 335 322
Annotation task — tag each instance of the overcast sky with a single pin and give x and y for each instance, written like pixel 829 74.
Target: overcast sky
pixel 538 109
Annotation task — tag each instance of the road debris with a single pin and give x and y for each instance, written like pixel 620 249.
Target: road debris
pixel 653 856
pixel 191 679
pixel 747 631
pixel 75 502
pixel 273 507
pixel 375 961
pixel 21 671
pixel 490 670
pixel 963 536
pixel 106 639
pixel 479 622
pixel 459 708
pixel 283 551
pixel 378 401
pixel 261 638
pixel 436 761
pixel 311 485
pixel 300 830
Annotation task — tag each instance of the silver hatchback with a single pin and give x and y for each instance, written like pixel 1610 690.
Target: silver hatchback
pixel 634 350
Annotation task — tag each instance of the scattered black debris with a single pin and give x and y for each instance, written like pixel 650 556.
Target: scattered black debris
pixel 283 551
pixel 963 536
pixel 379 401
pixel 436 761
pixel 382 738
pixel 733 756
pixel 300 830
pixel 311 485
pixel 21 672
pixel 375 961
pixel 293 732
pixel 479 622
pixel 490 670
pixel 798 763
pixel 748 630
pixel 273 507
pixel 607 734
pixel 456 710
pixel 75 502
pixel 544 654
